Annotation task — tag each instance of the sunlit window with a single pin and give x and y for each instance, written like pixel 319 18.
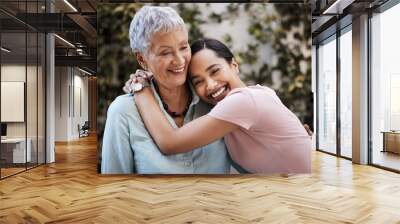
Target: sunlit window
pixel 385 84
pixel 327 96
pixel 346 93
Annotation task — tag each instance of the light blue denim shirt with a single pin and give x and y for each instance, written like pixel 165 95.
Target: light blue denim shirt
pixel 128 147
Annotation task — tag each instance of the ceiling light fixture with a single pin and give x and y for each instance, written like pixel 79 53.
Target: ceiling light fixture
pixel 86 72
pixel 70 5
pixel 64 40
pixel 5 50
pixel 337 7
pixel 79 51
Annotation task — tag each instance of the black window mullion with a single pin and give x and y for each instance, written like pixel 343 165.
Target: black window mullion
pixel 338 73
pixel 317 97
pixel 37 90
pixel 26 86
pixel 369 96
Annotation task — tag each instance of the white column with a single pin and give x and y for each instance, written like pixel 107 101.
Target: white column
pixel 62 91
pixel 50 93
pixel 360 90
pixel 50 110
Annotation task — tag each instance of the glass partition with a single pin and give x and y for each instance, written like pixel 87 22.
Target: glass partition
pixel 327 95
pixel 14 145
pixel 22 89
pixel 385 89
pixel 41 91
pixel 346 93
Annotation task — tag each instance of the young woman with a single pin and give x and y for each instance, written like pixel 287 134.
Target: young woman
pixel 159 41
pixel 261 134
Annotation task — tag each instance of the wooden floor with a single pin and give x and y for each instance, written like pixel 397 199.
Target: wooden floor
pixel 387 159
pixel 70 191
pixel 10 171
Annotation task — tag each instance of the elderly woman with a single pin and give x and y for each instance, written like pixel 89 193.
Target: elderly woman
pixel 159 40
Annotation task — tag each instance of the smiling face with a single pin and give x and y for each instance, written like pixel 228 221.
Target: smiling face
pixel 168 57
pixel 213 77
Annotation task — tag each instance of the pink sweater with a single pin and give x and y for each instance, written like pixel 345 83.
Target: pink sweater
pixel 271 139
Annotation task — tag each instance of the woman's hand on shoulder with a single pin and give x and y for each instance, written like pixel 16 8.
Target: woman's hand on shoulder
pixel 133 78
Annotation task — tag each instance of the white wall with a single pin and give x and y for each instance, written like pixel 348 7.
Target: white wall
pixel 12 101
pixel 61 103
pixel 71 94
pixel 16 72
pixel 33 126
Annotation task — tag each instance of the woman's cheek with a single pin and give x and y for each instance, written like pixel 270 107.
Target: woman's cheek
pixel 200 92
pixel 188 56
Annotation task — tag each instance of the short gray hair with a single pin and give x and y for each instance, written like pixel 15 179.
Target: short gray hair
pixel 150 20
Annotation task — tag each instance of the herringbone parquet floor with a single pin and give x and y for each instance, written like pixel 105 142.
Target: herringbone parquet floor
pixel 70 191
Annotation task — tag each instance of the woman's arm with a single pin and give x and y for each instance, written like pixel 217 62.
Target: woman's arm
pixel 196 133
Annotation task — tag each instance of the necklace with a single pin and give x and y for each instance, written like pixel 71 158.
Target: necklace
pixel 165 105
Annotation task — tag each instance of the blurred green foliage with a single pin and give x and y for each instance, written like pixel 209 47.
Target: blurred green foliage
pixel 287 30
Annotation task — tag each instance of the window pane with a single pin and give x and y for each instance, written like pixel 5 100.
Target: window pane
pixel 15 150
pixel 41 98
pixel 327 96
pixel 385 86
pixel 345 94
pixel 31 97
